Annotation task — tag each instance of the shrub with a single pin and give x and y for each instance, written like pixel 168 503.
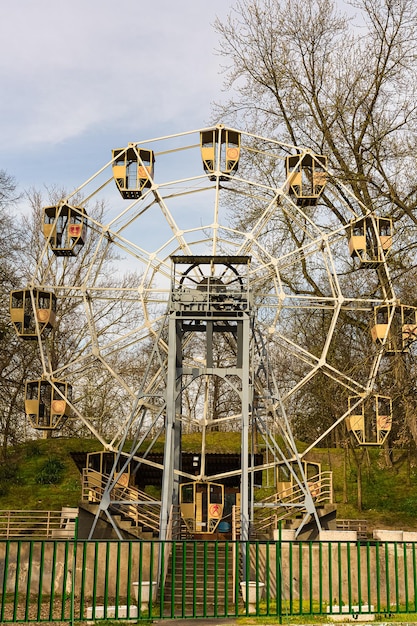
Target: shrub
pixel 50 472
pixel 33 449
pixel 10 472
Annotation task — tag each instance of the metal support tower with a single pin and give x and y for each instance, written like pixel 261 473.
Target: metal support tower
pixel 210 297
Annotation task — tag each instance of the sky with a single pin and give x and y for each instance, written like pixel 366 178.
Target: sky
pixel 80 77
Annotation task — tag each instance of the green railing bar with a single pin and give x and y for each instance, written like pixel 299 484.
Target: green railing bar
pixel 161 549
pixel 83 578
pixel 278 576
pixel 28 581
pixel 246 574
pixel 184 580
pixel 256 576
pixel 174 562
pixel 216 580
pixel 378 577
pixel 349 577
pixel 405 576
pixel 4 587
pixel 151 578
pixel 358 564
pixel 368 574
pixel 140 577
pixel 236 575
pixel 194 560
pixel 74 570
pixel 329 558
pixel 117 587
pixel 65 581
pixel 53 573
pixel 226 577
pixel 339 575
pixel 388 590
pixel 397 596
pixel 106 580
pixel 414 575
pixel 95 577
pixel 310 581
pixel 320 578
pixel 300 580
pixel 42 560
pixel 205 565
pixel 267 578
pixel 16 590
pixel 290 576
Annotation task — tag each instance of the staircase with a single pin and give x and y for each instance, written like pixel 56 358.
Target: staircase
pixel 134 512
pixel 288 506
pixel 200 579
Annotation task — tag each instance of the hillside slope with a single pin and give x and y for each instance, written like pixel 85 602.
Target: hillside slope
pixel 41 475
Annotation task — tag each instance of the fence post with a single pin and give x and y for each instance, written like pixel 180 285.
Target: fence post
pixel 279 572
pixel 74 566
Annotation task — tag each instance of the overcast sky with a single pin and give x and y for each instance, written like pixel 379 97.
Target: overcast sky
pixel 80 77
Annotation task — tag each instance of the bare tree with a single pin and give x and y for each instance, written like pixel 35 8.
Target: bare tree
pixel 67 352
pixel 14 362
pixel 309 75
pixel 340 79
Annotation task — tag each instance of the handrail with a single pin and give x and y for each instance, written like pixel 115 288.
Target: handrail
pixel 360 526
pixel 141 508
pixel 320 485
pixel 45 524
pixel 321 489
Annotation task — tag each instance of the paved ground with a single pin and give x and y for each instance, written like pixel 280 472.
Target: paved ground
pixel 246 621
pixel 210 621
pixel 257 622
pixel 196 622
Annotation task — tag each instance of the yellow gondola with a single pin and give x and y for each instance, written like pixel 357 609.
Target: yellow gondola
pixel 100 465
pixel 32 312
pixel 47 404
pixel 370 240
pixel 220 152
pixel 103 463
pixel 65 228
pixel 370 422
pixel 286 483
pixel 133 170
pixel 306 177
pixel 201 505
pixel 397 326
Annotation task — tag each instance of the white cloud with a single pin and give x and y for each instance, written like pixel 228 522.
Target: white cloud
pixel 70 67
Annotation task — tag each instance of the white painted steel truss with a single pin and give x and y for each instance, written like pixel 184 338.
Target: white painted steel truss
pixel 299 278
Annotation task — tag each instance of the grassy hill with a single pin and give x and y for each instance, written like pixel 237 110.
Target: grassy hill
pixel 41 475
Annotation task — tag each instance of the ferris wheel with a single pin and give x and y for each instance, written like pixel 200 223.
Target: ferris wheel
pixel 250 260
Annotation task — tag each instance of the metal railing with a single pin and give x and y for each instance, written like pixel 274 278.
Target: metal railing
pixel 69 581
pixel 38 524
pixel 360 526
pixel 279 506
pixel 140 508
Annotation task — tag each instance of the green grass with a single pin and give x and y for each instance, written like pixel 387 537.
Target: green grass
pixel 29 487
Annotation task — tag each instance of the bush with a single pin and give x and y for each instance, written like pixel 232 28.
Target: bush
pixel 50 472
pixel 33 449
pixel 10 472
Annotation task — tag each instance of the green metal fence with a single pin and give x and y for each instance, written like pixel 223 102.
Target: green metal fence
pixel 70 581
